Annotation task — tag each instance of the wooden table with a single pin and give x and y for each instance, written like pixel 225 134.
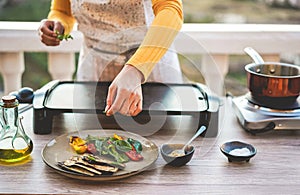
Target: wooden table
pixel 274 170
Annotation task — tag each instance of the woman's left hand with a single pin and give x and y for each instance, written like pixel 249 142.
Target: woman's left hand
pixel 125 93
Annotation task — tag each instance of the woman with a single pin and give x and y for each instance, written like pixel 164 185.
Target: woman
pixel 125 41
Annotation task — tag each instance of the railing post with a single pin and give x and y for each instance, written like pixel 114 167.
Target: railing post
pixel 271 57
pixel 12 67
pixel 61 66
pixel 297 60
pixel 214 67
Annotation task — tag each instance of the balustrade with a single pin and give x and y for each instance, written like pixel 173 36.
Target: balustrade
pixel 214 42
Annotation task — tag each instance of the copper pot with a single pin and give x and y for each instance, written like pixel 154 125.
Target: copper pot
pixel 273 80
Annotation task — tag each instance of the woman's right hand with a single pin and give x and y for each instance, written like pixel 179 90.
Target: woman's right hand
pixel 48 32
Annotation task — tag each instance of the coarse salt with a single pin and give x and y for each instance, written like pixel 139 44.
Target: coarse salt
pixel 240 152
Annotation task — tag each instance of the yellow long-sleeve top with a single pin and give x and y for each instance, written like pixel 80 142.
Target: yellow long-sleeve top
pixel 163 30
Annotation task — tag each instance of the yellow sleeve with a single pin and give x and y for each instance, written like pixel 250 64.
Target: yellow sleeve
pixel 61 11
pixel 162 32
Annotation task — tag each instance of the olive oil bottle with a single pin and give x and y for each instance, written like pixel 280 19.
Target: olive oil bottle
pixel 15 145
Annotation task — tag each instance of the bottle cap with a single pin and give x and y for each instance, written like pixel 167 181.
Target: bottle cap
pixel 9 101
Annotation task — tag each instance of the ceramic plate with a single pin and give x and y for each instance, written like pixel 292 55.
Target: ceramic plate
pixel 59 149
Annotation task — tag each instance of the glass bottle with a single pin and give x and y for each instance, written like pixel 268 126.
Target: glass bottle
pixel 15 145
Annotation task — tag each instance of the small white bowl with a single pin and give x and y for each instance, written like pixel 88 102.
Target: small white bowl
pixel 240 148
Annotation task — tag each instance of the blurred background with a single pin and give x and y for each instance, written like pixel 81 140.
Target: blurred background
pixel 195 11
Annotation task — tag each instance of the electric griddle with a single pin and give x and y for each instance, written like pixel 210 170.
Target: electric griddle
pixel 159 100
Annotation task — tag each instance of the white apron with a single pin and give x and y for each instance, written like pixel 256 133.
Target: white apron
pixel 113 29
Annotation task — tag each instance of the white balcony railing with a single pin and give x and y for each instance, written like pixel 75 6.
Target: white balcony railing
pixel 214 42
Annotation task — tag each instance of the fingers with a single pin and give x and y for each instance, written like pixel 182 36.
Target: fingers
pixel 49 40
pixel 117 103
pixel 136 108
pixel 47 32
pixel 135 104
pixel 127 106
pixel 130 105
pixel 112 90
pixel 58 28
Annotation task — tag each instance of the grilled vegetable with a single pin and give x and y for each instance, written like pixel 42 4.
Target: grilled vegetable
pixel 123 145
pixel 74 163
pixel 78 144
pixel 84 165
pixel 119 157
pixel 91 148
pixel 136 144
pixel 106 168
pixel 134 156
pixel 118 137
pixel 112 152
pixel 75 169
pixel 102 161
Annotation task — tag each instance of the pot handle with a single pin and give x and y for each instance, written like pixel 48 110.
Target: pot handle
pixel 254 55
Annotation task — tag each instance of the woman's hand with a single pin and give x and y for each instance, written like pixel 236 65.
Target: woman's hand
pixel 125 93
pixel 48 32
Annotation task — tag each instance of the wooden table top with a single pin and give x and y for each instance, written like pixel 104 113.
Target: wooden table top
pixel 274 170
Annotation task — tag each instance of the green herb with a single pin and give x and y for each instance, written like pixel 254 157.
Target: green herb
pixel 123 145
pixel 63 36
pixel 119 157
pixel 98 145
pixel 122 150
